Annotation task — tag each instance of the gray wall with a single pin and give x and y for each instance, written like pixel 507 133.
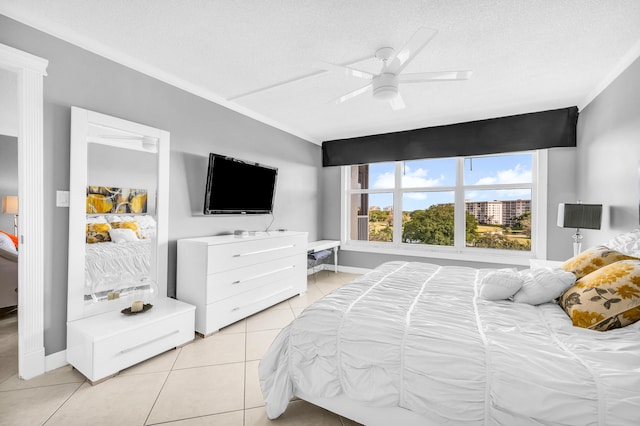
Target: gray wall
pixel 8 176
pixel 609 155
pixel 197 126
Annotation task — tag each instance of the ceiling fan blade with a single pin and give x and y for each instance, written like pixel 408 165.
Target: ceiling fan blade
pixel 289 81
pixel 343 70
pixel 397 103
pixel 402 57
pixel 434 76
pixel 352 94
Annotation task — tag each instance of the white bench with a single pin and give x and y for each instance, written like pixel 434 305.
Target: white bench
pixel 315 246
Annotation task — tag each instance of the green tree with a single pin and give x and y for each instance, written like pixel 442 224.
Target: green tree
pixel 378 216
pixel 523 222
pixel 435 225
pixel 501 242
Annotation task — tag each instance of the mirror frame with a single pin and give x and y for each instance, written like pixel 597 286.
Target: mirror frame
pixel 82 123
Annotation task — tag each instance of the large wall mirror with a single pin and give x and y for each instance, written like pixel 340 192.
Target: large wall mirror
pixel 117 213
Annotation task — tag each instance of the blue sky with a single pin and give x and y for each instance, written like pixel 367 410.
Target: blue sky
pixel 441 173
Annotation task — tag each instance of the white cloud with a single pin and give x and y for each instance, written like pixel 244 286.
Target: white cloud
pixel 516 175
pixel 418 178
pixel 384 180
pixel 419 196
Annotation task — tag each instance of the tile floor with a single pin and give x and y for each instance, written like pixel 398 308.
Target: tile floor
pixel 212 381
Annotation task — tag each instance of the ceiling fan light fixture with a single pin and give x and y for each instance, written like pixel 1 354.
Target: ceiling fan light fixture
pixel 385 86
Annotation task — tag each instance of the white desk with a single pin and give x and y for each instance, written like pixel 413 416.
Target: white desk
pixel 314 246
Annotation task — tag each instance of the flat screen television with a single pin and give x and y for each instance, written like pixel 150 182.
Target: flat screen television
pixel 239 187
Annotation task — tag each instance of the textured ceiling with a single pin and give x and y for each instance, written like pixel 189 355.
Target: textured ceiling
pixel 526 55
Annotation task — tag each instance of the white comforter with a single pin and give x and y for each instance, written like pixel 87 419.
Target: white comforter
pixel 109 263
pixel 416 335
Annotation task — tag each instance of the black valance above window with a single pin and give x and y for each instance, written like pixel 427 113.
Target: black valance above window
pixel 524 132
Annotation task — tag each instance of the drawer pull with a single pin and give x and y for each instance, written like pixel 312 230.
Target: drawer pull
pixel 250 253
pixel 275 271
pixel 124 351
pixel 262 298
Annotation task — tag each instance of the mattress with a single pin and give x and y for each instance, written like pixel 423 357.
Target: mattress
pixel 417 336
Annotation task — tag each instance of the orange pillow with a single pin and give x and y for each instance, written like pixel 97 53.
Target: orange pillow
pixel 14 238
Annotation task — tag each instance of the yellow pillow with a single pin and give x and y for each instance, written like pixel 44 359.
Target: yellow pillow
pixel 605 299
pixel 593 259
pixel 133 225
pixel 98 233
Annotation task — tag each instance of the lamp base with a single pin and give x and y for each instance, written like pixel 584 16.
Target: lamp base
pixel 577 248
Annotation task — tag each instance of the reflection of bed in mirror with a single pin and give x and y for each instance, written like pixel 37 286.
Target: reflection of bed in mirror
pixel 120 263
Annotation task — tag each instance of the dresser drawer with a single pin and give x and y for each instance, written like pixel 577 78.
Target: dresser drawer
pixel 236 281
pixel 238 255
pixel 123 350
pixel 228 311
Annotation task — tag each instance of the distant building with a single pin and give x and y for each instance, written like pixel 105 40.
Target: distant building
pixel 497 212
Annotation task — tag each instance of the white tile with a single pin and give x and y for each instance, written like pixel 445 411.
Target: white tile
pixel 312 294
pixel 270 319
pixel 201 391
pixel 119 400
pixel 298 413
pixel 213 350
pixel 59 376
pixel 258 342
pixel 33 406
pixel 252 392
pixel 236 327
pixel 233 418
pixel 162 362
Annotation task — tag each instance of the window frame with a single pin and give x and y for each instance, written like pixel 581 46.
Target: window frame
pixel 459 251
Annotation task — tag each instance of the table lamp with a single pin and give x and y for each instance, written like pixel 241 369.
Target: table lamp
pixel 10 206
pixel 585 216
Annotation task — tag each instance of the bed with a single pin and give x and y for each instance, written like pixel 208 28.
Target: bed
pixel 414 344
pixel 118 255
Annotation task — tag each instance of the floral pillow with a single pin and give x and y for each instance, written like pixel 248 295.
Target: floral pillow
pixel 593 259
pixel 98 233
pixel 605 299
pixel 130 224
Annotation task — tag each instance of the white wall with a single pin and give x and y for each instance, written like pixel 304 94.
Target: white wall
pixel 197 127
pixel 8 103
pixel 609 156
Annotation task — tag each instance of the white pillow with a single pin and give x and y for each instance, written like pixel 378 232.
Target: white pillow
pixel 96 219
pixel 122 235
pixel 7 244
pixel 543 285
pixel 145 221
pixel 500 284
pixel 627 243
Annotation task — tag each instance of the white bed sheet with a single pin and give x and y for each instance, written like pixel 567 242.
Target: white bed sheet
pixel 109 263
pixel 416 336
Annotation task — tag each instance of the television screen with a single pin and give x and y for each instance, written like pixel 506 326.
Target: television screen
pixel 239 187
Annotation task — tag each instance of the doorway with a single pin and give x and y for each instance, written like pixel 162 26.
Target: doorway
pixel 29 71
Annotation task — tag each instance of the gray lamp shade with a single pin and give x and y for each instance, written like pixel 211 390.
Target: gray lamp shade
pixel 585 216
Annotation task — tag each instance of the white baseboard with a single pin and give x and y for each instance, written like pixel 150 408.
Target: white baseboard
pixel 31 364
pixel 353 270
pixel 345 269
pixel 56 360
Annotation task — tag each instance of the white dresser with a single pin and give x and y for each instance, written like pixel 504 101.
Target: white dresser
pixel 231 277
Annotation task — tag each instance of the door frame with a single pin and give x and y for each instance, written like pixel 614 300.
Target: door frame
pixel 30 71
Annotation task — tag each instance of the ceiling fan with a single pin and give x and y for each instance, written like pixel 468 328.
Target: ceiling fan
pixel 385 84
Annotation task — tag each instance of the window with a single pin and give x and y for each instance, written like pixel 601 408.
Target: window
pixel 463 205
